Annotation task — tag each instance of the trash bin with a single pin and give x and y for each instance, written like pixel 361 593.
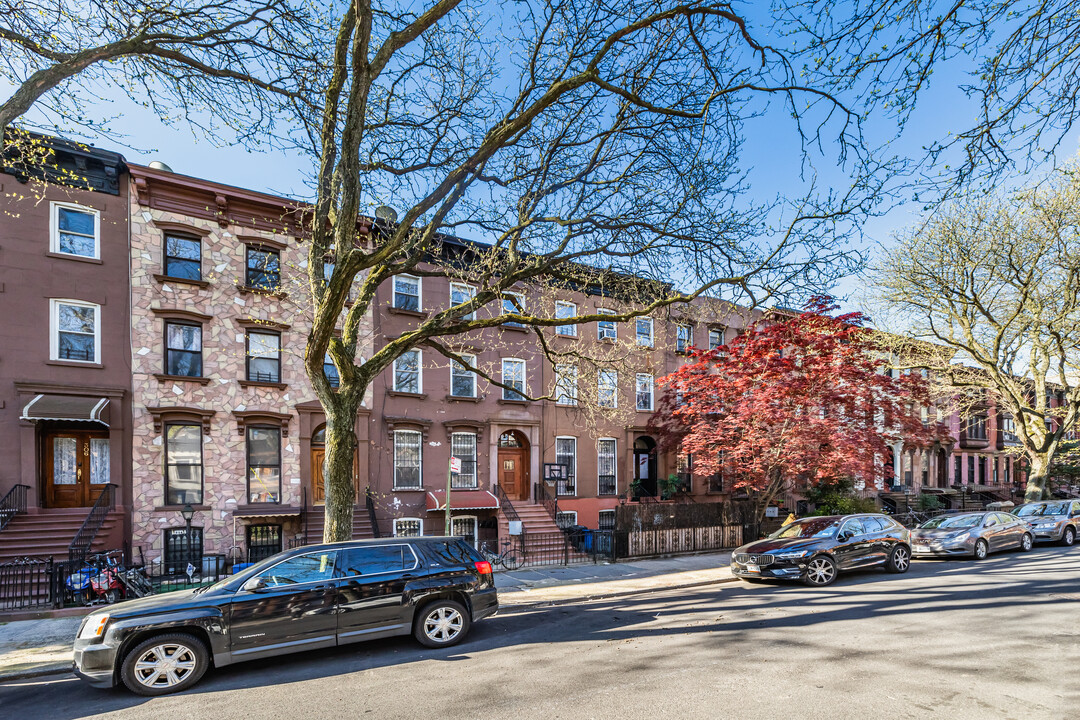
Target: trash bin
pixel 579 536
pixel 239 567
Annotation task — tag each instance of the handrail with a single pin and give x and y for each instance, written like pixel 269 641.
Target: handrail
pixel 505 504
pixel 303 514
pixel 369 501
pixel 13 503
pixel 546 498
pixel 84 539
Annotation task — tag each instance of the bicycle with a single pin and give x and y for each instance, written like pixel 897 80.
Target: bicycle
pixel 508 559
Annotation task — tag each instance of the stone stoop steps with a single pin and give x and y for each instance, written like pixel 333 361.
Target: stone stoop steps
pixel 536 521
pixel 50 532
pixel 316 519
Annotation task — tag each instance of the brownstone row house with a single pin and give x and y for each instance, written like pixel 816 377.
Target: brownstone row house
pixel 154 330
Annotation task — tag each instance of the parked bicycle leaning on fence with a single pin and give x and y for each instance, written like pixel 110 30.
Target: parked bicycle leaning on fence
pixel 508 559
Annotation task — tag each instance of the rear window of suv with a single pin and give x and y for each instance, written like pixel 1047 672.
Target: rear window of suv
pixel 453 552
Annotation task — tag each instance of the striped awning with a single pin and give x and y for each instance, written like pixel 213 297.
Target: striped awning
pixel 461 500
pixel 81 408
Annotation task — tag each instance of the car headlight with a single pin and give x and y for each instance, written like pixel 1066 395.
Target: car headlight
pixel 94 626
pixel 794 554
pixel 960 537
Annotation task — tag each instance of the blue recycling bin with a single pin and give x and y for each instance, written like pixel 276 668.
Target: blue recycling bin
pixel 240 567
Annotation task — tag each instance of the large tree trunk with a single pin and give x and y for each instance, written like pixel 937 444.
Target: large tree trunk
pixel 338 474
pixel 1038 470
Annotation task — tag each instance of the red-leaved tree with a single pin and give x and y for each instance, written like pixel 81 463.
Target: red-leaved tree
pixel 795 398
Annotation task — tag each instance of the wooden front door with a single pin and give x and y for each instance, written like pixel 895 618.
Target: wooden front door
pixel 318 487
pixel 76 467
pixel 514 472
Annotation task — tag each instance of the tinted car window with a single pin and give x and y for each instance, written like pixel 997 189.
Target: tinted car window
pixel 376 559
pixel 952 521
pixel 874 525
pixel 813 527
pixel 852 527
pixel 1054 508
pixel 990 520
pixel 1005 518
pixel 449 553
pixel 301 569
pixel 1076 508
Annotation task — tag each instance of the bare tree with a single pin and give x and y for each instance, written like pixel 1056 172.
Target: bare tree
pixel 583 143
pixel 996 282
pixel 206 63
pixel 1021 59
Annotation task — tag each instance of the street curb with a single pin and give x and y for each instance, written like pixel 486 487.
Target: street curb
pixel 30 673
pixel 507 608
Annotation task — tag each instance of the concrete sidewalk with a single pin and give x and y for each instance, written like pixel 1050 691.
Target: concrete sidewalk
pixel 29 648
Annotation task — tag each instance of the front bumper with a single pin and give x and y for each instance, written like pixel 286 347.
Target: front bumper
pixel 1048 534
pixel 779 570
pixel 926 547
pixel 95 663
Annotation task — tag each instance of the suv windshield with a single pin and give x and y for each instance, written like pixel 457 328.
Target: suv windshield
pixel 953 521
pixel 1057 508
pixel 813 527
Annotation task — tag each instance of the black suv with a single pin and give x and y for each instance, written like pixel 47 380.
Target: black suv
pixel 815 549
pixel 311 597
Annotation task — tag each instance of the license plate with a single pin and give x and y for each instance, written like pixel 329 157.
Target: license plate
pixel 753 568
pixel 920 547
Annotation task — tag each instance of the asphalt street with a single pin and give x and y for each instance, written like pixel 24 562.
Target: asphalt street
pixel 951 639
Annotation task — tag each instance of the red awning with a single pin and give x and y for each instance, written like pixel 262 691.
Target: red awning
pixel 462 500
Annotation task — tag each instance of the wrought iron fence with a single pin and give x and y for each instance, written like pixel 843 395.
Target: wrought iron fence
pixel 26 584
pixel 673 541
pixel 84 538
pixel 13 503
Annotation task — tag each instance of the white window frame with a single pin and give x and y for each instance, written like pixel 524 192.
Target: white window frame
pixel 566 385
pixel 652 332
pixel 601 513
pixel 470 290
pixel 614 461
pixel 603 333
pixel 722 333
pixel 566 512
pixel 54 329
pixel 689 337
pixel 524 377
pixel 409 519
pixel 601 388
pixel 476 525
pixel 565 330
pixel 520 301
pixel 54 229
pixel 573 466
pixel 419 291
pixel 637 391
pixel 455 364
pixel 475 458
pixel 420 464
pixel 419 372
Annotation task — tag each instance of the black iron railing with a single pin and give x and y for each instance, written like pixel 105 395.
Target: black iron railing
pixel 505 505
pixel 606 485
pixel 543 495
pixel 369 501
pixel 13 503
pixel 27 583
pixel 566 486
pixel 84 539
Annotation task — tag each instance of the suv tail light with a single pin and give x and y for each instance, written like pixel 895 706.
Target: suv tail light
pixel 483 567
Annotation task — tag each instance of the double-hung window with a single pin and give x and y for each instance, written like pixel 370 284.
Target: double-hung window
pixel 264 464
pixel 183 464
pixel 75 231
pixel 607 480
pixel 606 329
pixel 76 331
pixel 563 311
pixel 607 388
pixel 513 304
pixel 407 459
pixel 566 384
pixel 264 357
pixel 463 447
pixel 513 376
pixel 644 392
pixel 460 294
pixel 566 455
pixel 463 380
pixel 643 329
pixel 716 337
pixel 684 338
pixel 263 268
pixel 407 293
pixel 183 257
pixel 407 372
pixel 183 349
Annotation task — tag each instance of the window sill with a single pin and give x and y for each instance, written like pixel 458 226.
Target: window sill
pixel 76 258
pixel 464 398
pixel 566 337
pixel 180 281
pixel 178 508
pixel 398 393
pixel 163 378
pixel 568 406
pixel 75 363
pixel 504 401
pixel 515 328
pixel 644 410
pixel 249 290
pixel 407 489
pixel 256 383
pixel 402 311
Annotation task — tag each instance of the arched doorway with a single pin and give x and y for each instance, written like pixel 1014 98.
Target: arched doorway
pixel 513 470
pixel 645 466
pixel 318 460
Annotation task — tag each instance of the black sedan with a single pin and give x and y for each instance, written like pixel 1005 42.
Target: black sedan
pixel 816 549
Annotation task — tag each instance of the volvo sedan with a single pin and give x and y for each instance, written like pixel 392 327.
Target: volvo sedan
pixel 814 550
pixel 971 534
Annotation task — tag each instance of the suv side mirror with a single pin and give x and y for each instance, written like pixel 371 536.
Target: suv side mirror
pixel 844 536
pixel 254 584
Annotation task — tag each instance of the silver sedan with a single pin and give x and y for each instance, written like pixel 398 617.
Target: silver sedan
pixel 971 534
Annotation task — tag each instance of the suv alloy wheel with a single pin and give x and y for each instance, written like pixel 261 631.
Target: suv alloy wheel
pixel 899 560
pixel 441 623
pixel 820 571
pixel 164 664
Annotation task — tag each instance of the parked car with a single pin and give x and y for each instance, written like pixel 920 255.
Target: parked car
pixel 303 599
pixel 816 549
pixel 975 534
pixel 1052 520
